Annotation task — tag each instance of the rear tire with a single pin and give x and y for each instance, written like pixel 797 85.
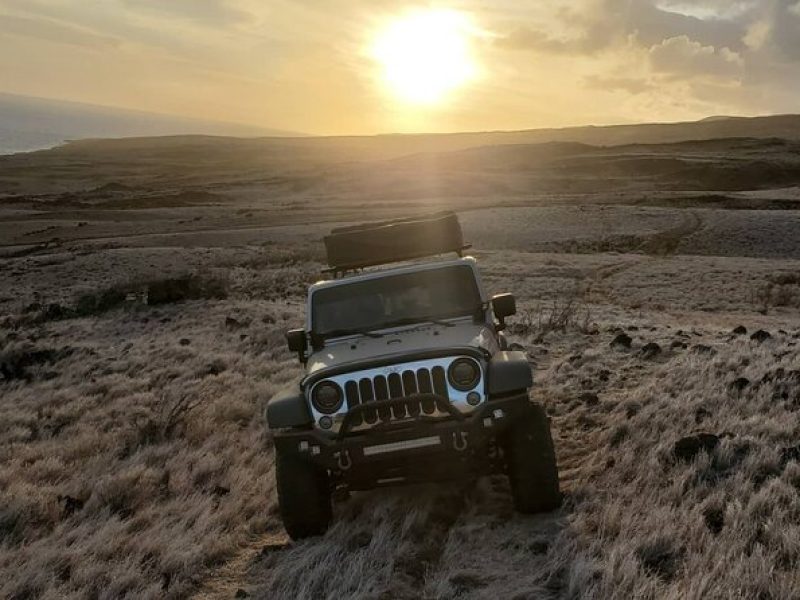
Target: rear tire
pixel 531 464
pixel 304 496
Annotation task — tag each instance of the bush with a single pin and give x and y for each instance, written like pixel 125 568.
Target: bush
pixel 155 292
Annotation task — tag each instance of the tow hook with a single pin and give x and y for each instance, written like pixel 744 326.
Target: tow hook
pixel 460 440
pixel 343 460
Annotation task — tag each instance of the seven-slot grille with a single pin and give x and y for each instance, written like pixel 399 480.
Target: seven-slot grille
pixel 396 385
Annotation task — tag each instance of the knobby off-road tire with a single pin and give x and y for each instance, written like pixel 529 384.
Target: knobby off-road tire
pixel 304 496
pixel 531 464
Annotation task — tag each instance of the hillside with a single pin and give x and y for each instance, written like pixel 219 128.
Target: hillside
pixel 28 123
pixel 305 169
pixel 394 145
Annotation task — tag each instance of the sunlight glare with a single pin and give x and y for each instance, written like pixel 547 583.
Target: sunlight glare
pixel 425 55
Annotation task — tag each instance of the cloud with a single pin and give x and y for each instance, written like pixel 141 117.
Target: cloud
pixel 630 85
pixel 681 56
pixel 53 31
pixel 524 38
pixel 784 30
pixel 601 25
pixel 212 12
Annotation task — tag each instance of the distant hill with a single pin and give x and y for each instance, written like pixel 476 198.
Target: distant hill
pixel 359 148
pixel 28 123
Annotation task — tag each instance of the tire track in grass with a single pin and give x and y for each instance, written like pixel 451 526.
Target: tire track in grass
pixel 434 541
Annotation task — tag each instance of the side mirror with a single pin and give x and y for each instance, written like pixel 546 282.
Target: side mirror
pixel 297 341
pixel 504 305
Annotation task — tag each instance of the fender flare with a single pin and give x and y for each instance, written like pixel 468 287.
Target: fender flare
pixel 508 371
pixel 288 408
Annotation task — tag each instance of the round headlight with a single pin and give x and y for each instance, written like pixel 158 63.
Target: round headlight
pixel 464 374
pixel 327 397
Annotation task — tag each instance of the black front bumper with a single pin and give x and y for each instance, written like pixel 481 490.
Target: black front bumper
pixel 413 450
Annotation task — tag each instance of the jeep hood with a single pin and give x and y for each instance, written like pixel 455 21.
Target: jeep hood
pixel 402 343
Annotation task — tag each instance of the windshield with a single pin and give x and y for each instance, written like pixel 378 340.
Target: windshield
pixel 395 300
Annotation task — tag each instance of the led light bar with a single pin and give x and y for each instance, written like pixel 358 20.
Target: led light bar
pixel 425 442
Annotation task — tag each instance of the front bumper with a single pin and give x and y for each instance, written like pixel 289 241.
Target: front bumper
pixel 416 449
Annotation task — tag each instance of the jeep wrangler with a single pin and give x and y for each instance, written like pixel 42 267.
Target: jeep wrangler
pixel 408 379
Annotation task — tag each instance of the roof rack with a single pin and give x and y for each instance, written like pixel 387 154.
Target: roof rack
pixel 372 244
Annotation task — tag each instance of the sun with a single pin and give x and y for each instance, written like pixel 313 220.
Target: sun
pixel 423 56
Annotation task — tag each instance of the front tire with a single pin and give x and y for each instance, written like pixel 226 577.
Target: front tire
pixel 531 464
pixel 304 496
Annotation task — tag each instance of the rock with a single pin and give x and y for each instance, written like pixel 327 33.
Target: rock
pixel 215 367
pixel 268 320
pixel 71 505
pixel 220 490
pixel 621 342
pixel 184 341
pixel 687 448
pixel 740 330
pixel 650 350
pixel 589 399
pixel 701 414
pixel 678 345
pixel 231 323
pixel 703 349
pixel 242 337
pixel 240 593
pixel 790 454
pixel 740 383
pixel 32 307
pixel 516 347
pixel 761 336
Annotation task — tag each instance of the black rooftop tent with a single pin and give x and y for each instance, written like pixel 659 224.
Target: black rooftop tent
pixel 370 244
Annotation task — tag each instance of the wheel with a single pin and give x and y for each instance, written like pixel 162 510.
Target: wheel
pixel 531 464
pixel 304 496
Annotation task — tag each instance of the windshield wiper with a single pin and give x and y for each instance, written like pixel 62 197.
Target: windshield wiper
pixel 419 321
pixel 343 332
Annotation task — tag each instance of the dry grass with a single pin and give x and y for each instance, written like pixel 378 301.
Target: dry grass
pixel 638 522
pixel 135 459
pixel 134 462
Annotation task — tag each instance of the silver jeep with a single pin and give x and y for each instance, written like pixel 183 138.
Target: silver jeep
pixel 408 379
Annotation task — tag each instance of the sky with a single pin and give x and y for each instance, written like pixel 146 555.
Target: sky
pixel 377 66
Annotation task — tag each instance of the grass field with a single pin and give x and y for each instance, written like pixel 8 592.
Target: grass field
pixel 141 338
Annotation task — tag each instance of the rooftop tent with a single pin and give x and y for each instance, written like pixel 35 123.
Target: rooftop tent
pixel 385 242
